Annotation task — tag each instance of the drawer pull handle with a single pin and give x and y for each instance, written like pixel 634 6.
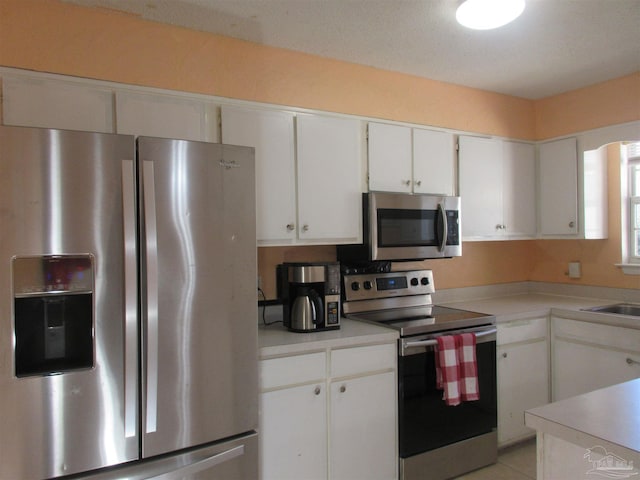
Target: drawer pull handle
pixel 504 355
pixel 317 391
pixel 343 388
pixel 631 361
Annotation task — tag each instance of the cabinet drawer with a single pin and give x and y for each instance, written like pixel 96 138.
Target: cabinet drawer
pixel 522 330
pixel 356 360
pixel 597 334
pixel 279 372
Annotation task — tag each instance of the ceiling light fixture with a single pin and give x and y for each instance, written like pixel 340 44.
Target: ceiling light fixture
pixel 488 14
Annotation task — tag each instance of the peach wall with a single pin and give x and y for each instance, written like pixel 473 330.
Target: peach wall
pixel 607 103
pixel 51 36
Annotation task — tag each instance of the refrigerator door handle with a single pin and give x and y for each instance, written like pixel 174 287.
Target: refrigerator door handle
pixel 201 465
pixel 152 297
pixel 130 300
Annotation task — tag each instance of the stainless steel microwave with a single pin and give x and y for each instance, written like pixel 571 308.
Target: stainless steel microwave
pixel 401 226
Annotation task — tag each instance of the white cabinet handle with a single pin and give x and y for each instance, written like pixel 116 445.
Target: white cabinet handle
pixel 407 182
pixel 572 224
pixel 343 388
pixel 317 391
pixel 418 182
pixel 291 226
pixel 504 355
pixel 305 228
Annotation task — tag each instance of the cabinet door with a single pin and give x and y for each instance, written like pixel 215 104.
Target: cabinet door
pixel 293 433
pixel 433 162
pixel 390 158
pixel 519 189
pixel 271 134
pixel 165 116
pixel 30 102
pixel 363 429
pixel 481 186
pixel 329 179
pixel 523 383
pixel 558 170
pixel 579 367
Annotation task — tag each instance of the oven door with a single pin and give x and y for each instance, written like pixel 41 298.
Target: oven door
pixel 425 421
pixel 406 227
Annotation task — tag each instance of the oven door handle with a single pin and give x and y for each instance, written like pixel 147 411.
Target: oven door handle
pixel 431 343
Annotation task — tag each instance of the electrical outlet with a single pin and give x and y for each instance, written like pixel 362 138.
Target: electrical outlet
pixel 574 270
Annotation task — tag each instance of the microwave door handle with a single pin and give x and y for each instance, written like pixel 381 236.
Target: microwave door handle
pixel 445 227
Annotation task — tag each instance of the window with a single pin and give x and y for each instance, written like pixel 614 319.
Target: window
pixel 631 203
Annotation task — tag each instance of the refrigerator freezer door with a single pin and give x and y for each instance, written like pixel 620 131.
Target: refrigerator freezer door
pixel 231 460
pixel 199 295
pixel 61 211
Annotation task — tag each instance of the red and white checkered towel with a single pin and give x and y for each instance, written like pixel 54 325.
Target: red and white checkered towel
pixel 457 369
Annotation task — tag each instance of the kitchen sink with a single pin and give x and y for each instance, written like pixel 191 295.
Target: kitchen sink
pixel 618 309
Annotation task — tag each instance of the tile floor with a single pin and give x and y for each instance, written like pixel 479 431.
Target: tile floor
pixel 517 462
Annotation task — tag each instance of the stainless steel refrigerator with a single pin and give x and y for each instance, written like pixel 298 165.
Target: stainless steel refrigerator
pixel 128 333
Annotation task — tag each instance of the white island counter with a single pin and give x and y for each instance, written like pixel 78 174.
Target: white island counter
pixel 595 435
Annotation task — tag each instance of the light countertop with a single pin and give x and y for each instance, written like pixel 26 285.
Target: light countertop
pixel 275 340
pixel 528 305
pixel 609 417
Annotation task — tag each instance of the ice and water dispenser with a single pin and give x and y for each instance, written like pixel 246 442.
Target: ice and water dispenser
pixel 53 314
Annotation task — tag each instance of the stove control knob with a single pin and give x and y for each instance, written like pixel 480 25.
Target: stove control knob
pixel 367 285
pixel 355 286
pixel 414 282
pixel 424 280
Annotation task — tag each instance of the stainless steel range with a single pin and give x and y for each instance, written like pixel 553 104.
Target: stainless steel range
pixel 436 441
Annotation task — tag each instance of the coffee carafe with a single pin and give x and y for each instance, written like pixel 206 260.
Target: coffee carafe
pixel 307 310
pixel 310 294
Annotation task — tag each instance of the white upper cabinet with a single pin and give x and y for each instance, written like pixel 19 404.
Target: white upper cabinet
pixel 434 156
pixel 390 158
pixel 271 133
pixel 308 178
pixel 519 189
pixel 558 187
pixel 45 103
pixel 329 156
pixel 411 160
pixel 165 116
pixel 497 189
pixel 481 186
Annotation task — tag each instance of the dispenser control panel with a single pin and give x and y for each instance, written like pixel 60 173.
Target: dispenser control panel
pixel 52 274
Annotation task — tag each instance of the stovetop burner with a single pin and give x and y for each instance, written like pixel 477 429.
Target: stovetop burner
pixel 431 319
pixel 402 301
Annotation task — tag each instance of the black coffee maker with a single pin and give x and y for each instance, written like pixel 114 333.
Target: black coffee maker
pixel 310 294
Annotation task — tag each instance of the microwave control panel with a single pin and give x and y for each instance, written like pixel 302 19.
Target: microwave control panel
pixel 453 230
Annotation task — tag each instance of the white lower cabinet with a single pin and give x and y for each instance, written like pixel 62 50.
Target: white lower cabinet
pixel 342 426
pixel 523 375
pixel 589 356
pixel 293 433
pixel 362 434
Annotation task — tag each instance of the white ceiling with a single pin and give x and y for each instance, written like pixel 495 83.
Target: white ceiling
pixel 554 46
